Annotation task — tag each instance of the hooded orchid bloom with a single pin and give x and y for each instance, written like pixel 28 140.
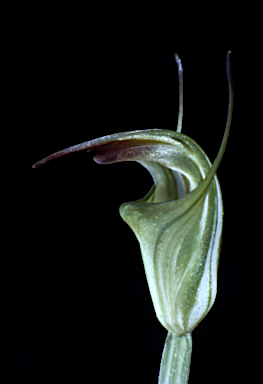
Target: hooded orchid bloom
pixel 178 225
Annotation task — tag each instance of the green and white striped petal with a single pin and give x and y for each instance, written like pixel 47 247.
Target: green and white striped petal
pixel 178 224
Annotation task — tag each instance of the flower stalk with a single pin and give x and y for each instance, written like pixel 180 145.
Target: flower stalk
pixel 176 359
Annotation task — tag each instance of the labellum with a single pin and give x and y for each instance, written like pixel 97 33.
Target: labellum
pixel 178 225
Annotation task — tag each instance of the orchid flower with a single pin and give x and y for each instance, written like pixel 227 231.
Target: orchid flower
pixel 178 225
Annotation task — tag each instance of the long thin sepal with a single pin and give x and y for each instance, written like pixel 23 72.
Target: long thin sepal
pixel 180 78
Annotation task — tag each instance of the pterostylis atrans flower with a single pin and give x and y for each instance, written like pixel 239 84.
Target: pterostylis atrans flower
pixel 178 225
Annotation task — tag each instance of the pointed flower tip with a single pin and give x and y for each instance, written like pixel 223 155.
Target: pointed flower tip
pixel 37 164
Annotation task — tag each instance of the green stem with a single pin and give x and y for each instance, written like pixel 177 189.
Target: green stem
pixel 176 358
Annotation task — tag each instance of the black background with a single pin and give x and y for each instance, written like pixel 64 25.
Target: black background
pixel 80 310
